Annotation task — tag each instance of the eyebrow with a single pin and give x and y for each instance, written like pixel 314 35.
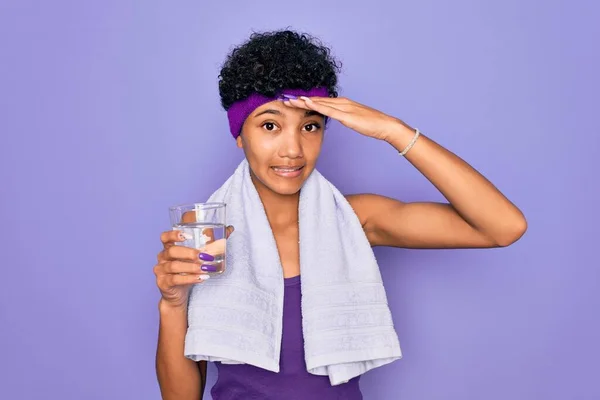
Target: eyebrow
pixel 308 113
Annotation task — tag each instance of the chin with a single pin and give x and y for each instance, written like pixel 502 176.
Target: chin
pixel 285 190
pixel 283 186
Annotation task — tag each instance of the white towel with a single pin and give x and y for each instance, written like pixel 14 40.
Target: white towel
pixel 237 317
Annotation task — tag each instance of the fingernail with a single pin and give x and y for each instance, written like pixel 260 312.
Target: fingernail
pixel 290 96
pixel 209 268
pixel 305 98
pixel 185 236
pixel 206 257
pixel 203 277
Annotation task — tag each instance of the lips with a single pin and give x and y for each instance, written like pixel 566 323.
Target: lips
pixel 288 171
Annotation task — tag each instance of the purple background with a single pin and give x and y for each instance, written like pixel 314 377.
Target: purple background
pixel 110 114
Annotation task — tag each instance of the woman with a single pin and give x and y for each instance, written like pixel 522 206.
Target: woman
pixel 281 140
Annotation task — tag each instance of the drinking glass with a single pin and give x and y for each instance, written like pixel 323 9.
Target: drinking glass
pixel 203 226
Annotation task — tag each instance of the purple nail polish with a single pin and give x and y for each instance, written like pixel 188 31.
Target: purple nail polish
pixel 290 96
pixel 206 257
pixel 209 268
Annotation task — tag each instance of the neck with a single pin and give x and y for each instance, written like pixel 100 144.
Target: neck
pixel 281 209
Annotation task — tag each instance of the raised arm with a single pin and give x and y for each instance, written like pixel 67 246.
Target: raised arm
pixel 478 214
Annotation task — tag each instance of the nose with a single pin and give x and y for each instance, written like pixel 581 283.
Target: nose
pixel 291 144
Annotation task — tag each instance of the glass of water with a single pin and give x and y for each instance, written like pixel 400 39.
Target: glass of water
pixel 203 226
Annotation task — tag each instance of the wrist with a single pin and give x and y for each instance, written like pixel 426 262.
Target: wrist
pixel 400 135
pixel 165 307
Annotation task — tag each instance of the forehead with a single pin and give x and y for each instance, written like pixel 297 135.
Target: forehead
pixel 277 108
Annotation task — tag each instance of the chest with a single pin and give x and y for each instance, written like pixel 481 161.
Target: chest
pixel 287 239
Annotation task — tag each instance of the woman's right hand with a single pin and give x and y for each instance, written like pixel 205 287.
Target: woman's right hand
pixel 178 268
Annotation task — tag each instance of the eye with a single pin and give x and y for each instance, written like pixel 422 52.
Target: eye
pixel 270 126
pixel 313 127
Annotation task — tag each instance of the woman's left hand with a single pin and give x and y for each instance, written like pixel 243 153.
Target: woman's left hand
pixel 362 119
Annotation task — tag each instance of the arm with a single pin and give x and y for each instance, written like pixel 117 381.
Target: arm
pixel 478 215
pixel 177 270
pixel 179 378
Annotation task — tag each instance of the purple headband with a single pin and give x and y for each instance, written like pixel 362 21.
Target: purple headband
pixel 240 110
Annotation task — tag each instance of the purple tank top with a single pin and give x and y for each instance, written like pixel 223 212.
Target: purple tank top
pixel 243 381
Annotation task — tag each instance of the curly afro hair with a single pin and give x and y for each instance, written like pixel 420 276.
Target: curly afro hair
pixel 271 61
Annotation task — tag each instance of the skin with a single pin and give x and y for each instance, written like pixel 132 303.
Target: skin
pixel 290 133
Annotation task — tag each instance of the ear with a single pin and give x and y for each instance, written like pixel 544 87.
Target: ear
pixel 238 141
